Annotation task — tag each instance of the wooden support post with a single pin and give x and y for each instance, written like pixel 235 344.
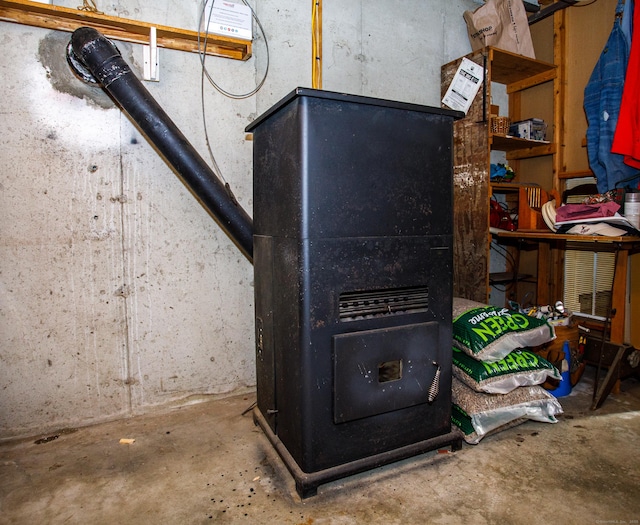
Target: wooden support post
pixel 316 44
pixel 618 296
pixel 544 258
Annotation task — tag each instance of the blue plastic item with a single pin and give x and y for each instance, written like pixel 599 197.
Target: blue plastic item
pixel 564 389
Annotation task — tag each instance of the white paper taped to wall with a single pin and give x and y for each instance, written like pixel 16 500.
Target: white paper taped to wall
pixel 464 86
pixel 229 19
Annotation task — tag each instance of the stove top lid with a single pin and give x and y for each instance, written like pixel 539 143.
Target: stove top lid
pixel 344 97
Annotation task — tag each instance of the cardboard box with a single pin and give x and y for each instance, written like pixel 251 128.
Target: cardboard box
pixel 532 129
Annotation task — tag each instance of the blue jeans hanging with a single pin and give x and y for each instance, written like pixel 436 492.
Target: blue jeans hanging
pixel 602 97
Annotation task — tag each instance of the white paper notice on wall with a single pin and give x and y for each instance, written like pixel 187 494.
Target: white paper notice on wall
pixel 464 86
pixel 230 19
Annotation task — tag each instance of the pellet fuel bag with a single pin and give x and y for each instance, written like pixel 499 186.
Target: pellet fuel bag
pixel 478 414
pixel 521 367
pixel 490 333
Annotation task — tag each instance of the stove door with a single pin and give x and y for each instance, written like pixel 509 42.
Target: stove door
pixel 385 369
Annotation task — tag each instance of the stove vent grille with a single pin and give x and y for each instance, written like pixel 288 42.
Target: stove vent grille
pixel 379 303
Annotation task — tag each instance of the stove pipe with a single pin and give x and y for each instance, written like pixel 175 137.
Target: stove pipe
pixel 95 59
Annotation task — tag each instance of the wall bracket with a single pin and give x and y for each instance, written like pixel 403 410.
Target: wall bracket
pixel 150 53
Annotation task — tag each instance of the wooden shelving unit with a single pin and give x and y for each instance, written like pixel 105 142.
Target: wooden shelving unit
pixel 66 19
pixel 473 143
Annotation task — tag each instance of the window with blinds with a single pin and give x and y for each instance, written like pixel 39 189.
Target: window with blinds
pixel 588 279
pixel 588 276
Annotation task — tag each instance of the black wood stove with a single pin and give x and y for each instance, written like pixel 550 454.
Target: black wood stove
pixel 352 248
pixel 353 282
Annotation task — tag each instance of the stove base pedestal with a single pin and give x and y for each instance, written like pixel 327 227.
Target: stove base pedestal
pixel 307 483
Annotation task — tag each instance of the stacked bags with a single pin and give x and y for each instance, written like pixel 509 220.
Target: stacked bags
pixel 496 379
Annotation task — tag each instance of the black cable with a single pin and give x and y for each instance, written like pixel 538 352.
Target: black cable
pixel 509 260
pixel 249 408
pixel 504 253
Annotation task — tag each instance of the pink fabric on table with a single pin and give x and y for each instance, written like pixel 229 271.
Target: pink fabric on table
pixel 573 212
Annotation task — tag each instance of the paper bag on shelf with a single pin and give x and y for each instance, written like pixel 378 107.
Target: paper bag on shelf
pixel 502 24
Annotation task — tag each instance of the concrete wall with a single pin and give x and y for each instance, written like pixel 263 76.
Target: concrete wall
pixel 118 292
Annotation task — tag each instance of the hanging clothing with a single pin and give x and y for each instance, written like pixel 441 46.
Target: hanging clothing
pixel 602 97
pixel 626 140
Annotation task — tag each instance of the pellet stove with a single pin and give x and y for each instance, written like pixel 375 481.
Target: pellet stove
pixel 353 282
pixel 352 250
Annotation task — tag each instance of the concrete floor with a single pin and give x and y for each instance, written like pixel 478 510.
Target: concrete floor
pixel 207 463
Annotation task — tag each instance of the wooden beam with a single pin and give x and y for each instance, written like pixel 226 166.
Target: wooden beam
pixel 65 19
pixel 619 297
pixel 316 44
pixel 544 284
pixel 559 95
pixel 575 174
pixel 539 151
pixel 541 78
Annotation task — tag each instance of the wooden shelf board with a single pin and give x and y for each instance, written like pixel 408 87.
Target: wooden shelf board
pixel 510 68
pixel 507 277
pixel 65 19
pixel 504 187
pixel 527 147
pixel 575 174
pixel 531 152
pixel 546 235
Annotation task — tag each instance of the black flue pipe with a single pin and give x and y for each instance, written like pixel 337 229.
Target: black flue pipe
pixel 90 49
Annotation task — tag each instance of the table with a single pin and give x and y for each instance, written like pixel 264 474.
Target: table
pixel 623 246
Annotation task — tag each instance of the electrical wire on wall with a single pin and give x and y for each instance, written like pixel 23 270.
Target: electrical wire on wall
pixel 510 264
pixel 203 39
pixel 202 49
pixel 510 261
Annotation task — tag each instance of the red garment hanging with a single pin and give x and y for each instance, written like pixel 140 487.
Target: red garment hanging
pixel 626 140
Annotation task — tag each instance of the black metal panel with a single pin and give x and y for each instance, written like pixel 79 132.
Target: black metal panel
pixel 264 332
pixel 308 279
pixel 346 167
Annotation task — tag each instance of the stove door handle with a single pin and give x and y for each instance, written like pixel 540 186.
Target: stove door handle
pixel 434 389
